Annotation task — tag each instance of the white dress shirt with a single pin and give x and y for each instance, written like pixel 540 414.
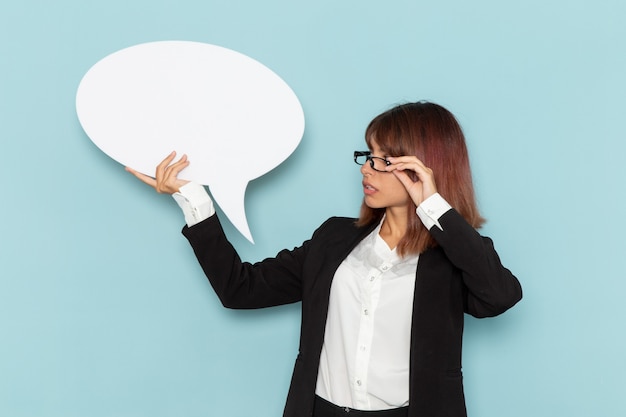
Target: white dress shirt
pixel 364 362
pixel 365 358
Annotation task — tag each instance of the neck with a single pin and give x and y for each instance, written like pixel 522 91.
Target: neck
pixel 394 226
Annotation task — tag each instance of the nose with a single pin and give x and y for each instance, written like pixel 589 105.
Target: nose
pixel 366 169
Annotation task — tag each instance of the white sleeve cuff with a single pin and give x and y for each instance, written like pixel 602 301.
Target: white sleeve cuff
pixel 431 210
pixel 195 202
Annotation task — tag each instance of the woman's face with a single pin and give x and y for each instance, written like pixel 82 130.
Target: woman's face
pixel 382 189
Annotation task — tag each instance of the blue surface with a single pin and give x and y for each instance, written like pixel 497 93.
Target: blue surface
pixel 103 309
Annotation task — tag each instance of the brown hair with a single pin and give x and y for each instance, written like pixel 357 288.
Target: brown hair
pixel 433 134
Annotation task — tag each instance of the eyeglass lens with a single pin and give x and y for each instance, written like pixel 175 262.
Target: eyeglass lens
pixel 377 163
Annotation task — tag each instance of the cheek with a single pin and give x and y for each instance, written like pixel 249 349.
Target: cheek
pixel 395 187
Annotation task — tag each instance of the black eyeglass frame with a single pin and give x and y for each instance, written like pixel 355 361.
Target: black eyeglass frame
pixel 368 157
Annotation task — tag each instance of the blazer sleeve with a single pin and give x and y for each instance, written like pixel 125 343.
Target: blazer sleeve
pixel 491 288
pixel 243 285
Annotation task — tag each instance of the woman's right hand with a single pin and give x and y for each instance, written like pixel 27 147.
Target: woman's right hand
pixel 166 178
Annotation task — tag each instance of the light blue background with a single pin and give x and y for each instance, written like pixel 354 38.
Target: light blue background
pixel 103 309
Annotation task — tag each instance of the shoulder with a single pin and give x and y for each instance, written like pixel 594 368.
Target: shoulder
pixel 337 235
pixel 338 224
pixel 340 228
pixel 341 221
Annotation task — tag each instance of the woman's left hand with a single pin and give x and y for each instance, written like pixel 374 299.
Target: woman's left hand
pixel 418 190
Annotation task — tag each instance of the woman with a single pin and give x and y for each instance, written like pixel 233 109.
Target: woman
pixel 383 296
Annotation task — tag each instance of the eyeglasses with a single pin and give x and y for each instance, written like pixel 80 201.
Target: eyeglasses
pixel 377 163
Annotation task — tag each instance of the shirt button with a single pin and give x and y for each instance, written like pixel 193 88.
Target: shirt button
pixel 366 312
pixel 358 382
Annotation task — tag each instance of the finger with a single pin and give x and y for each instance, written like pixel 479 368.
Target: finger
pixel 167 181
pixel 406 159
pixel 171 172
pixel 404 179
pixel 425 178
pixel 175 168
pixel 164 164
pixel 142 177
pixel 418 190
pixel 410 163
pixel 405 162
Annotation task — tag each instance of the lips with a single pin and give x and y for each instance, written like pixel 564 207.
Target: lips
pixel 368 189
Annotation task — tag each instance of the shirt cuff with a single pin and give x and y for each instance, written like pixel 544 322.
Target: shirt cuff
pixel 195 202
pixel 431 210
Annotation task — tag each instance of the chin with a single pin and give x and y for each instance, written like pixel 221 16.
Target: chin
pixel 372 204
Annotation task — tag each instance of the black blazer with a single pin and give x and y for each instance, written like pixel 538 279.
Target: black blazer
pixel 462 274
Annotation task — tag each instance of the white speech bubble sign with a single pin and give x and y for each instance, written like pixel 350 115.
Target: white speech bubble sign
pixel 234 118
